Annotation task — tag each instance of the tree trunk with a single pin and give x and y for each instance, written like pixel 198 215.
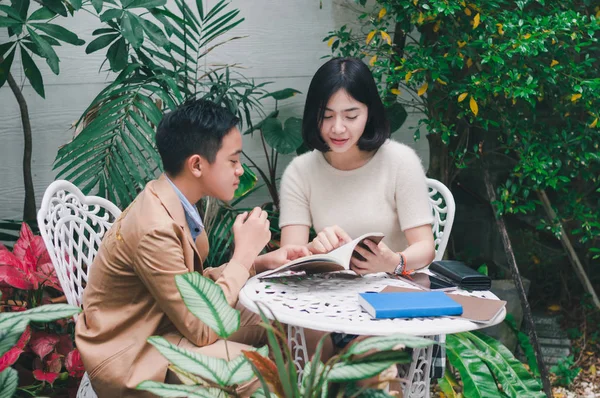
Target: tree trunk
pixel 571 253
pixel 438 159
pixel 516 276
pixel 29 204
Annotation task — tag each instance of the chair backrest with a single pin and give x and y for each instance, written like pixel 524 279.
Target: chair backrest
pixel 72 226
pixel 443 207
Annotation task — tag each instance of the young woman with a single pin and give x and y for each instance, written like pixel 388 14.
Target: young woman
pixel 356 180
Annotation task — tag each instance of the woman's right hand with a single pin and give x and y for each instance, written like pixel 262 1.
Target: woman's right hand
pixel 328 239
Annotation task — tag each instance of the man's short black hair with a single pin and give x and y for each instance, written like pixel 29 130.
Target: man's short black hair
pixel 352 75
pixel 196 127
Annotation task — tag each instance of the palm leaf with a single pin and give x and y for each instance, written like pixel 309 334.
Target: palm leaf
pixel 116 143
pixel 9 230
pixel 206 300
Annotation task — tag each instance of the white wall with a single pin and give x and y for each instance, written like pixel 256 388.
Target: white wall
pixel 284 45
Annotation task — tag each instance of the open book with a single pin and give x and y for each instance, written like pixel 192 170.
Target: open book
pixel 335 260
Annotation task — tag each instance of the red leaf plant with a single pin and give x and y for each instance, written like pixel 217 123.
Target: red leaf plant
pixel 29 265
pixel 43 343
pixel 49 377
pixel 28 279
pixel 74 364
pixel 11 356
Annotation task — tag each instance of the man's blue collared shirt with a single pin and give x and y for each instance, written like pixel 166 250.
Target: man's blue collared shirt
pixel 191 213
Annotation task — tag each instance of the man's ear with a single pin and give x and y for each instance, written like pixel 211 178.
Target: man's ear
pixel 195 164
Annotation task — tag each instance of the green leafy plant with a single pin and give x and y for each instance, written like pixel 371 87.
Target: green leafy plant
pixel 32 35
pixel 276 138
pixel 337 376
pixel 512 83
pixel 207 376
pixel 525 345
pixel 565 371
pixel 487 368
pixel 159 53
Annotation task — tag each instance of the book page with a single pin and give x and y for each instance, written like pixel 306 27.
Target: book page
pixel 336 260
pixel 343 254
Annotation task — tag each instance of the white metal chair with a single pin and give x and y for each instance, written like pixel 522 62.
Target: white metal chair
pixel 72 226
pixel 416 377
pixel 443 207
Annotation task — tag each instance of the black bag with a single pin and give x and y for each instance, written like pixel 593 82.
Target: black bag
pixel 463 276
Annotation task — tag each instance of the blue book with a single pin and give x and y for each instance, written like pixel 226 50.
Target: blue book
pixel 409 304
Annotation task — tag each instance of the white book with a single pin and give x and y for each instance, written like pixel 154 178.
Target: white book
pixel 335 260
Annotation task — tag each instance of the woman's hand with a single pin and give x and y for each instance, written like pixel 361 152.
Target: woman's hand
pixel 279 257
pixel 379 258
pixel 328 239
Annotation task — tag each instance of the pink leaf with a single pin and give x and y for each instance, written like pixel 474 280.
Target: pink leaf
pixel 13 354
pixel 46 275
pixel 24 339
pixel 74 364
pixel 8 258
pixel 29 248
pixel 45 376
pixel 39 248
pixel 11 260
pixel 9 357
pixel 54 363
pixel 23 244
pixel 65 345
pixel 15 277
pixel 43 343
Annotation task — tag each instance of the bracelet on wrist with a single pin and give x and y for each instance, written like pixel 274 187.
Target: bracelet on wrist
pixel 401 268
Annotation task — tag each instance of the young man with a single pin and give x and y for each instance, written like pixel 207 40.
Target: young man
pixel 131 294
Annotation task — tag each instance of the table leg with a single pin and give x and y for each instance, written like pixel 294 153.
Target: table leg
pixel 297 344
pixel 416 377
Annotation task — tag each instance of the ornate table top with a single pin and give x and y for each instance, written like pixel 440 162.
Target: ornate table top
pixel 329 302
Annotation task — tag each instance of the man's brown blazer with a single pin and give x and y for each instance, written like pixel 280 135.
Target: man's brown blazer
pixel 131 293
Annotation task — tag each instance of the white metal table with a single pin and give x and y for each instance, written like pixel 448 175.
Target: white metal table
pixel 329 303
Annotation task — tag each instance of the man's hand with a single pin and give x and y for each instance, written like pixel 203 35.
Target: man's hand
pixel 279 257
pixel 251 233
pixel 328 239
pixel 379 258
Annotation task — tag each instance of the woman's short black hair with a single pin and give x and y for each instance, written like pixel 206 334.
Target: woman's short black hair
pixel 352 75
pixel 196 127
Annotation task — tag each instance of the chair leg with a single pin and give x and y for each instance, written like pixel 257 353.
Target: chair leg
pixel 416 381
pixel 297 345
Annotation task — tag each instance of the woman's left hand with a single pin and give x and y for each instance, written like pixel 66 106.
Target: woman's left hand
pixel 379 258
